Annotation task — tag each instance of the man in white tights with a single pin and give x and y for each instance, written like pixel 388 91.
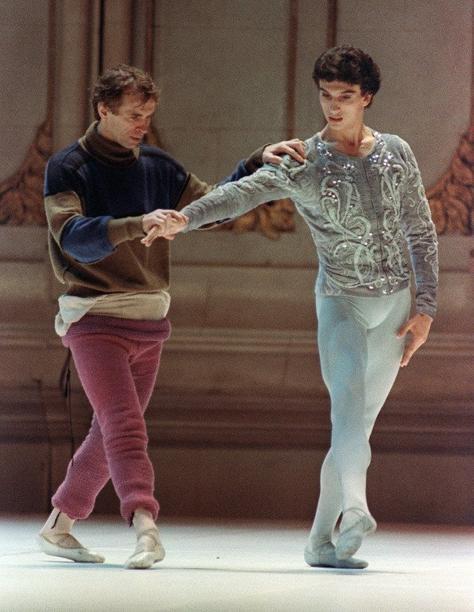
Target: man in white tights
pixel 360 192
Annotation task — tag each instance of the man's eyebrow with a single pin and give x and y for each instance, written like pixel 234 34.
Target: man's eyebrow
pixel 137 111
pixel 342 92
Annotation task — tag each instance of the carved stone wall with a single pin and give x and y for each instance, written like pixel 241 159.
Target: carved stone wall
pixel 240 393
pixel 123 31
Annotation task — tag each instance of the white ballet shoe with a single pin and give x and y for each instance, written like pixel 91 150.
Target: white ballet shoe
pixel 325 556
pixel 65 545
pixel 355 525
pixel 148 551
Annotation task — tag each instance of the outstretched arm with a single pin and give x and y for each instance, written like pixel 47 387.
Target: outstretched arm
pixel 194 189
pixel 234 199
pixel 268 154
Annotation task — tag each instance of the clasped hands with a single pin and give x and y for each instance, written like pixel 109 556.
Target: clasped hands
pixel 162 223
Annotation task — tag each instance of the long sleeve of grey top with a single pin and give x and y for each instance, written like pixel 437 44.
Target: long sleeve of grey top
pixel 420 233
pixel 234 199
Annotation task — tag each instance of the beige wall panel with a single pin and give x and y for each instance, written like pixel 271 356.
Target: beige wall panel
pixel 117 32
pixel 22 243
pixel 189 297
pixel 23 77
pixel 220 70
pixel 194 147
pixel 250 298
pixel 312 26
pixel 235 144
pixel 302 373
pixel 456 302
pixel 139 37
pixel 23 302
pixel 20 280
pixel 424 52
pixel 71 102
pixel 267 299
pixel 437 375
pixel 219 247
pixel 370 16
pixel 222 369
pixel 223 14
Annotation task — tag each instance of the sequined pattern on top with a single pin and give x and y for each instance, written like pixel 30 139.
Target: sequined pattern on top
pixel 363 213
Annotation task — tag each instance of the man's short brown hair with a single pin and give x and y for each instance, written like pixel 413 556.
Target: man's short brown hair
pixel 349 65
pixel 120 80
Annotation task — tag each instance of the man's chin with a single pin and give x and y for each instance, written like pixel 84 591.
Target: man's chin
pixel 132 143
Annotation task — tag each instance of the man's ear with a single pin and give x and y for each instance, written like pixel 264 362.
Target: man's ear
pixel 368 97
pixel 102 110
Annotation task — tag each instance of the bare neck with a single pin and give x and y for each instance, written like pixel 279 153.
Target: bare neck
pixel 357 141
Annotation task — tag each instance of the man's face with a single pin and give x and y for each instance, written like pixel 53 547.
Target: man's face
pixel 343 104
pixel 129 123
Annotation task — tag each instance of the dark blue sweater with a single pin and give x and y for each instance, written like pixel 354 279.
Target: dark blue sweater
pixel 129 187
pixel 96 193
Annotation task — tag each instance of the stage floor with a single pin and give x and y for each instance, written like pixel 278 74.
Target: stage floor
pixel 237 566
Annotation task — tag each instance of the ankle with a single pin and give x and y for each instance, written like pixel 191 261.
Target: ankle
pixel 57 522
pixel 143 521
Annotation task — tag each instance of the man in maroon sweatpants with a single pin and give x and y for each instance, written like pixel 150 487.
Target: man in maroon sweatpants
pixel 101 194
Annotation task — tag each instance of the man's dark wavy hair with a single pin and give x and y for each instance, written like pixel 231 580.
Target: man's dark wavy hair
pixel 119 80
pixel 349 65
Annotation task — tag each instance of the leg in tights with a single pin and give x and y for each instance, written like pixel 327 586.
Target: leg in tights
pixel 89 472
pixel 360 357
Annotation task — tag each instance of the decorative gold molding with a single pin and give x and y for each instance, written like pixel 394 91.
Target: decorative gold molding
pixel 451 197
pixel 271 220
pixel 21 195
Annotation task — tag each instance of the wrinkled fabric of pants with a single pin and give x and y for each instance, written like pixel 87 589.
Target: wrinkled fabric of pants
pixel 117 361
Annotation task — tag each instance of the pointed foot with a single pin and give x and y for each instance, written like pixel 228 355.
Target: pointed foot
pixel 355 525
pixel 325 556
pixel 66 546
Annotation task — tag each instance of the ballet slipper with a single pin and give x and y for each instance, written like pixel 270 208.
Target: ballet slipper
pixel 65 545
pixel 325 556
pixel 148 551
pixel 355 525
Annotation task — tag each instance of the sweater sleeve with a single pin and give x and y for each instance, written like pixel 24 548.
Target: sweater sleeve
pixel 236 198
pixel 420 235
pixel 85 239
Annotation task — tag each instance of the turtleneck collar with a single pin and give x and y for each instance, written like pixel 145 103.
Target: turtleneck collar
pixel 107 151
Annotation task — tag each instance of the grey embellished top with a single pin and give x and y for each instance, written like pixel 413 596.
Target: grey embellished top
pixel 362 213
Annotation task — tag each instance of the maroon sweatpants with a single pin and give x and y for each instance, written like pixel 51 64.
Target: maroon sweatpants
pixel 117 361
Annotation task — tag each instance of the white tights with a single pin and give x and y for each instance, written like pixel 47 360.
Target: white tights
pixel 360 357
